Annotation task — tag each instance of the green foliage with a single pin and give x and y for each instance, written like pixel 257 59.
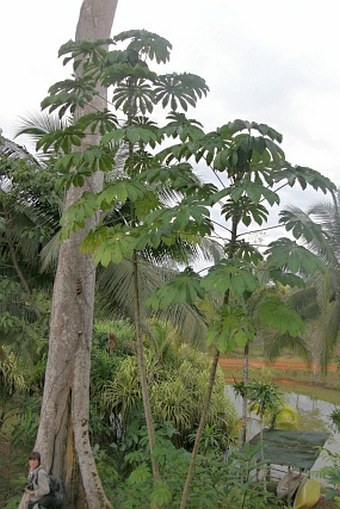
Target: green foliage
pixel 217 483
pixel 175 373
pixel 301 225
pixel 244 490
pixel 288 255
pixel 273 313
pixel 149 44
pixel 232 327
pixel 248 153
pixel 323 296
pixel 235 275
pixel 180 90
pixel 263 398
pixel 11 372
pixel 307 177
pixel 161 495
pixel 184 287
pixel 335 416
pixel 331 474
pixel 136 87
pixel 169 207
pixel 28 218
pixel 24 432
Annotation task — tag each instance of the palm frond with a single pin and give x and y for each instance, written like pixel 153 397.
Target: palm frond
pixel 12 149
pixel 332 334
pixel 38 124
pixel 326 285
pixel 321 242
pixel 49 253
pixel 305 302
pixel 277 344
pixel 116 287
pixel 327 215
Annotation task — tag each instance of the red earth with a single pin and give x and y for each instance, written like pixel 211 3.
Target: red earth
pixel 280 364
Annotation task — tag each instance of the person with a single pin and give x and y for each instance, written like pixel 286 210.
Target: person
pixel 37 484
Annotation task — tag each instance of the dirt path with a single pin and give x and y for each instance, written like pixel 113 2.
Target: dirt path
pixel 280 364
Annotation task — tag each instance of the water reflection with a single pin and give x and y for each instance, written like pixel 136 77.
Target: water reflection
pixel 315 415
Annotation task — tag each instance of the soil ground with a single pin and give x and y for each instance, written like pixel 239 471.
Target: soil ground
pixel 286 371
pixel 325 504
pixel 283 364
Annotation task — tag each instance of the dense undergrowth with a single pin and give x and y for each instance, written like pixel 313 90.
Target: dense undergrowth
pixel 223 477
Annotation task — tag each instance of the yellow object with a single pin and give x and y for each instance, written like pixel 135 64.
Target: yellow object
pixel 287 418
pixel 308 494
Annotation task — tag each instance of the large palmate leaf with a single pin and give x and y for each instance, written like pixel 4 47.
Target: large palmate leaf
pixel 273 313
pixel 184 287
pixel 146 44
pixel 235 275
pixel 180 90
pixel 117 292
pixel 231 328
pixel 288 255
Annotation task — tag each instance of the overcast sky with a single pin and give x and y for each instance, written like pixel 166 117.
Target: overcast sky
pixel 268 61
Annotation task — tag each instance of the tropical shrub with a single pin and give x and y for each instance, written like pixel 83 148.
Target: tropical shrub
pixel 177 386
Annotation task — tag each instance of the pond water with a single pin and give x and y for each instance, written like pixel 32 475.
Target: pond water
pixel 314 407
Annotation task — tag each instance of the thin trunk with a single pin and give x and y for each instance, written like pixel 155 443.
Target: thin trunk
pixel 22 279
pixel 244 399
pixel 200 429
pixel 63 438
pixel 213 369
pixel 142 373
pixel 138 320
pixel 262 457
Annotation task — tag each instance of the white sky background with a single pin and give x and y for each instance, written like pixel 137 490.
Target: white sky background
pixel 267 61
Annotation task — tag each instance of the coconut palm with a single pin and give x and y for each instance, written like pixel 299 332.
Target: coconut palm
pixel 320 300
pixel 28 218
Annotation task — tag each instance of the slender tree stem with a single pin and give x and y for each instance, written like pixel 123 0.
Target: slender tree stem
pixel 200 429
pixel 22 279
pixel 186 489
pixel 142 372
pixel 244 399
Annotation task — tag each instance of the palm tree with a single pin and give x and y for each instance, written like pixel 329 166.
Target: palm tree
pixel 319 302
pixel 28 218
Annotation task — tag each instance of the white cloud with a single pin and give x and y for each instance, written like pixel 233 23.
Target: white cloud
pixel 266 61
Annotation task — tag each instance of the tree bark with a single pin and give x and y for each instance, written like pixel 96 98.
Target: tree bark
pixel 63 438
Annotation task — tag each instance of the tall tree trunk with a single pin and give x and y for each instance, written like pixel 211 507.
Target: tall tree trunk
pixel 63 438
pixel 244 399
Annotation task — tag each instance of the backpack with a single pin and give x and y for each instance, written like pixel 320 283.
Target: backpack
pixel 57 488
pixel 55 498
